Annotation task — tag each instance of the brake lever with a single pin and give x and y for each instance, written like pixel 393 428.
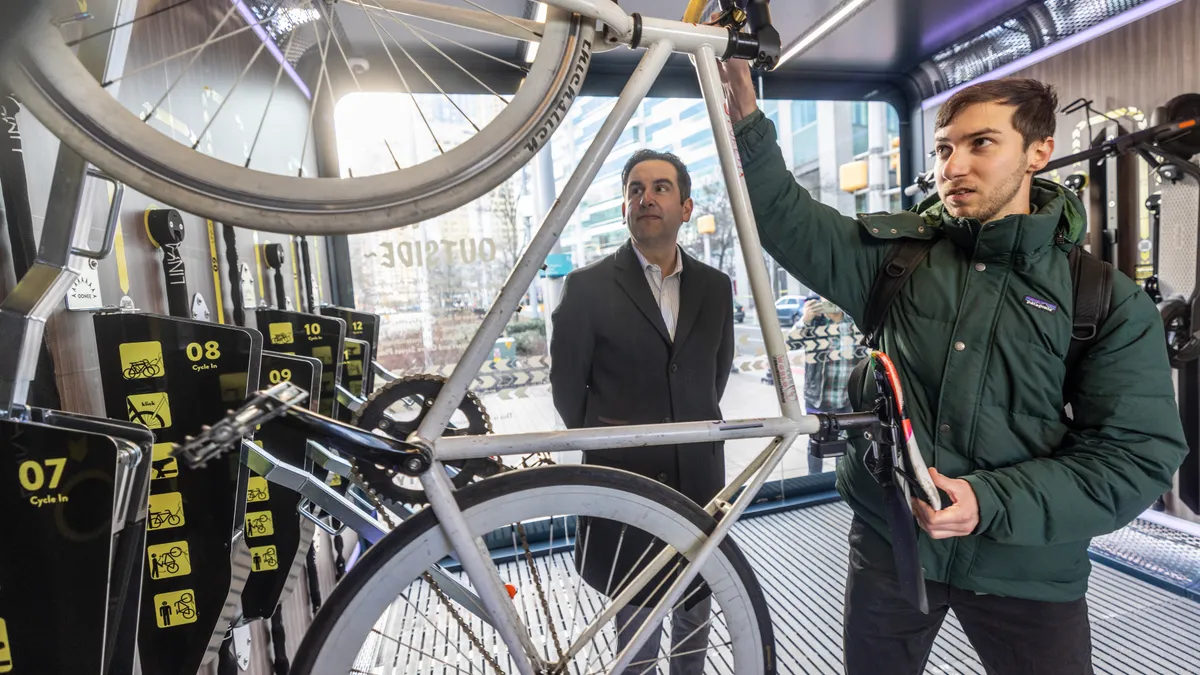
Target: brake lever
pixel 263 406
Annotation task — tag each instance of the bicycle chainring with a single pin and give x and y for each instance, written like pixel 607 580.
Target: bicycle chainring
pixel 414 394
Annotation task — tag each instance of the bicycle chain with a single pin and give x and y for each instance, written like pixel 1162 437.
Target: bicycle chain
pixel 357 479
pixel 537 582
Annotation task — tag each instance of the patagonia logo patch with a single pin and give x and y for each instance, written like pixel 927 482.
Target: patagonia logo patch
pixel 1041 304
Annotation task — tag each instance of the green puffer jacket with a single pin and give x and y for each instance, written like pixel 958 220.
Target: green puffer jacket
pixel 979 334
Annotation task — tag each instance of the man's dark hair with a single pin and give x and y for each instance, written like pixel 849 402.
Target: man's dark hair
pixel 1036 104
pixel 685 179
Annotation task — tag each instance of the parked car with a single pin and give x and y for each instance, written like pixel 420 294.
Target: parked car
pixel 788 309
pixel 739 312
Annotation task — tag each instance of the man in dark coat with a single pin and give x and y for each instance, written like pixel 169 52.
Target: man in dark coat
pixel 643 336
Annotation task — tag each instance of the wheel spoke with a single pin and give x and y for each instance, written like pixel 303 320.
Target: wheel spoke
pixel 128 74
pixel 323 49
pixel 271 97
pixel 468 73
pixel 149 115
pixel 258 52
pixel 430 79
pixel 132 21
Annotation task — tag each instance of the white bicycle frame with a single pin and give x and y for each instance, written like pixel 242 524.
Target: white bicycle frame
pixel 662 38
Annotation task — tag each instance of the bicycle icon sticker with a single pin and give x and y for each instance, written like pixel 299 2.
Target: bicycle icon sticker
pixel 169 560
pixel 263 559
pixel 141 360
pixel 6 664
pixel 166 511
pixel 259 524
pixel 281 333
pixel 257 490
pixel 152 411
pixel 162 464
pixel 175 609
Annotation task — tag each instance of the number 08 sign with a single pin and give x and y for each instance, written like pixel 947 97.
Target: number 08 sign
pixel 172 376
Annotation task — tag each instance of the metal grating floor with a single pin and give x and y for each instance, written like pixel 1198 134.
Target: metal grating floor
pixel 800 557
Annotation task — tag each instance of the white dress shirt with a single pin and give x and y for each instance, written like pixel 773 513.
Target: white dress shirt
pixel 665 290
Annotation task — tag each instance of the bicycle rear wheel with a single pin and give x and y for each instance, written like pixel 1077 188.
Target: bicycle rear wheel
pixel 144 153
pixel 385 592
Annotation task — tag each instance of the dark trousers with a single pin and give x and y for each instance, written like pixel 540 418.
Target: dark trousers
pixel 883 633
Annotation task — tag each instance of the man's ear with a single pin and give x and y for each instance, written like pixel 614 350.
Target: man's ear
pixel 1040 153
pixel 687 209
pixel 622 209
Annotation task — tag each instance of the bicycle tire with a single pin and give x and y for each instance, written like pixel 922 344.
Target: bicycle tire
pixel 52 84
pixel 418 543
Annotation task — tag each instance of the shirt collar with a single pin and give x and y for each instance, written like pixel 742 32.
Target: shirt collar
pixel 646 263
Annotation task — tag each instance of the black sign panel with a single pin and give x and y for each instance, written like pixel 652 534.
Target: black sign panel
pixel 276 556
pixel 301 334
pixel 174 375
pixel 355 365
pixel 360 326
pixel 58 491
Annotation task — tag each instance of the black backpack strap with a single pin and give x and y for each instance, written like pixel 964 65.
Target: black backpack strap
pixel 1091 278
pixel 902 260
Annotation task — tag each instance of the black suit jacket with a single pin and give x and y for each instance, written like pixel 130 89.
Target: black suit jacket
pixel 613 363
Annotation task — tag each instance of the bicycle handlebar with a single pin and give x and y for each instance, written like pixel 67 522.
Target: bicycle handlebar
pixel 1138 140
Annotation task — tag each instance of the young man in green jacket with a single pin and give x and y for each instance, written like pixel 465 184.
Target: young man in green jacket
pixel 979 334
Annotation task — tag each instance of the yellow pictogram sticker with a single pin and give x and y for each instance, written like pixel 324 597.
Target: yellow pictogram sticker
pixel 150 410
pixel 141 360
pixel 354 368
pixel 175 609
pixel 325 354
pixel 162 464
pixel 166 511
pixel 169 560
pixel 257 490
pixel 263 558
pixel 259 524
pixel 6 662
pixel 334 480
pixel 281 333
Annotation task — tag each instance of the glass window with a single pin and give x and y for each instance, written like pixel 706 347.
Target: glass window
pixel 702 137
pixel 803 113
pixel 692 110
pixel 805 147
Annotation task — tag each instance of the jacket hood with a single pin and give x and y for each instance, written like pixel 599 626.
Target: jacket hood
pixel 1048 199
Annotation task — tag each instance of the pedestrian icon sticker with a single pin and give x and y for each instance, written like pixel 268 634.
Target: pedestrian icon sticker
pixel 263 558
pixel 150 410
pixel 162 464
pixel 175 609
pixel 6 663
pixel 281 333
pixel 259 524
pixel 166 511
pixel 257 490
pixel 169 560
pixel 141 360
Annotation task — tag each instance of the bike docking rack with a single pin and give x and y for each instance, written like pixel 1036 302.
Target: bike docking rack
pixel 196 557
pixel 359 326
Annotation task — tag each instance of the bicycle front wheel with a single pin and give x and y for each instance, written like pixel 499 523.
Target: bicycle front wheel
pixel 136 141
pixel 386 616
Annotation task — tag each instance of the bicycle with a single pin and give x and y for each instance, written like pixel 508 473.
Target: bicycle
pixel 143 368
pixel 686 541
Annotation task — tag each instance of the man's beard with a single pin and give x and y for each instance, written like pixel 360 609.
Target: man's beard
pixel 995 199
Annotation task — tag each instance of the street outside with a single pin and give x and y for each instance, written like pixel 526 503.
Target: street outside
pixel 747 395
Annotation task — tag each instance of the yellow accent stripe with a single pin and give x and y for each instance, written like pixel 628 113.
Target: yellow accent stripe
pixel 695 11
pixel 119 249
pixel 216 267
pixel 146 224
pixel 262 297
pixel 295 273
